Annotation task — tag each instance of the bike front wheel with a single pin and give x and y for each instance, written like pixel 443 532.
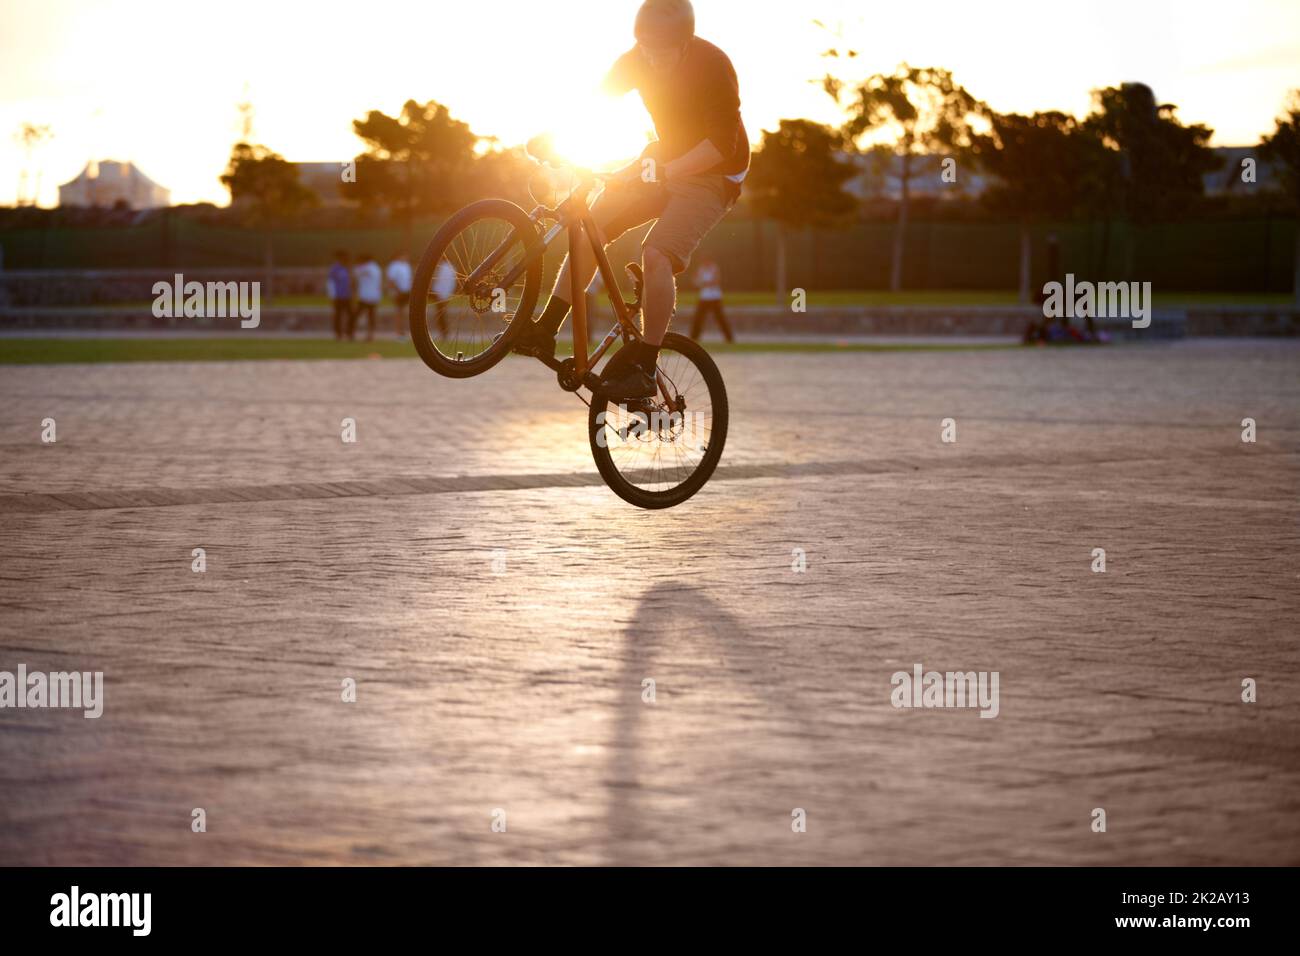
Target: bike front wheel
pixel 659 452
pixel 465 312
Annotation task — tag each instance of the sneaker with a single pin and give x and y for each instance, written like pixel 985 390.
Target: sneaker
pixel 636 383
pixel 533 341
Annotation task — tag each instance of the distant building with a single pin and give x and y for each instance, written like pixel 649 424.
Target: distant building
pixel 323 179
pixel 110 183
pixel 880 176
pixel 1226 180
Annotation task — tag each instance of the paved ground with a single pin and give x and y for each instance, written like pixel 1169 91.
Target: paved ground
pixel 522 690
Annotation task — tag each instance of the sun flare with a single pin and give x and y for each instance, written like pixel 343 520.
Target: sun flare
pixel 601 131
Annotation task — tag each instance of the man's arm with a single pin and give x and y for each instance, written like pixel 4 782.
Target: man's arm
pixel 619 81
pixel 704 155
pixel 621 77
pixel 700 157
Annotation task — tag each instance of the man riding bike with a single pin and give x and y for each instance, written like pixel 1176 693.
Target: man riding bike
pixel 687 179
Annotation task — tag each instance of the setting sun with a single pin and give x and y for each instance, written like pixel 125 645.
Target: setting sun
pixel 600 131
pixel 513 69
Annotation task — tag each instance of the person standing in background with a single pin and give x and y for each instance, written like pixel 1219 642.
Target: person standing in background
pixel 399 282
pixel 339 284
pixel 444 287
pixel 708 279
pixel 370 292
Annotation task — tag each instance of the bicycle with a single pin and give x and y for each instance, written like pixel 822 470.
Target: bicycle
pixel 498 272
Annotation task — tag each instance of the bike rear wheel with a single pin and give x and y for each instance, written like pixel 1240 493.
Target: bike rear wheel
pixel 647 456
pixel 461 331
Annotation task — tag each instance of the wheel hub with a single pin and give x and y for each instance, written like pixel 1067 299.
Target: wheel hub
pixel 482 295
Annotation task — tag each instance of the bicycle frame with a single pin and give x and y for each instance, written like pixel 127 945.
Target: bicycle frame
pixel 574 214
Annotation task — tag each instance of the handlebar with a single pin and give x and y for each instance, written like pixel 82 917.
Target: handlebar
pixel 582 172
pixel 583 179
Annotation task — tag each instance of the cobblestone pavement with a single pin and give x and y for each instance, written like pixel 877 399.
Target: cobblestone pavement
pixel 522 690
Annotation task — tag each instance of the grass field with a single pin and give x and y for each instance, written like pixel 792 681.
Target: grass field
pixel 56 351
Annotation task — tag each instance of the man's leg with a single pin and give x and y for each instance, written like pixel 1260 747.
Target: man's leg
pixel 615 213
pixel 660 294
pixel 539 337
pixel 338 319
pixel 694 206
pixel 637 380
pixel 697 320
pixel 722 321
pixel 442 318
pixel 709 311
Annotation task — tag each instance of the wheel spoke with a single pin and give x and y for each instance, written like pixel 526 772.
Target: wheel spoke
pixel 463 326
pixel 662 458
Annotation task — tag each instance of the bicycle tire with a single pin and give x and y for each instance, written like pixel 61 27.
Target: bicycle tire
pixel 418 308
pixel 621 484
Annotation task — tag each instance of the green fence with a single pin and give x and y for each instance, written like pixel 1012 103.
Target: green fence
pixel 1246 255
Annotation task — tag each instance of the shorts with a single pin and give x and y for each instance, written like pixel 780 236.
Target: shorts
pixel 687 209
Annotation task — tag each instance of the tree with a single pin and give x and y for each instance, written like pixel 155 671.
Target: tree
pixel 1161 162
pixel 266 188
pixel 502 172
pixel 1047 167
pixel 797 178
pixel 31 137
pixel 417 161
pixel 926 112
pixel 1281 148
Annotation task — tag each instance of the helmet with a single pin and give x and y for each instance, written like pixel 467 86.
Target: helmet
pixel 665 23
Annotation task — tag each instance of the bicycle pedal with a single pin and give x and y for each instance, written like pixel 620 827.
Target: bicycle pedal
pixel 532 350
pixel 640 406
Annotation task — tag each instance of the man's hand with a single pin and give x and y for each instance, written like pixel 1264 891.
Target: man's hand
pixel 703 156
pixel 629 175
pixel 632 178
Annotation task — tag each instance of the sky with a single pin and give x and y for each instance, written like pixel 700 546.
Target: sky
pixel 157 82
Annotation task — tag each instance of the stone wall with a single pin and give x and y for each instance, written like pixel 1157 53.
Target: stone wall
pixel 751 321
pixel 74 287
pixel 65 300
